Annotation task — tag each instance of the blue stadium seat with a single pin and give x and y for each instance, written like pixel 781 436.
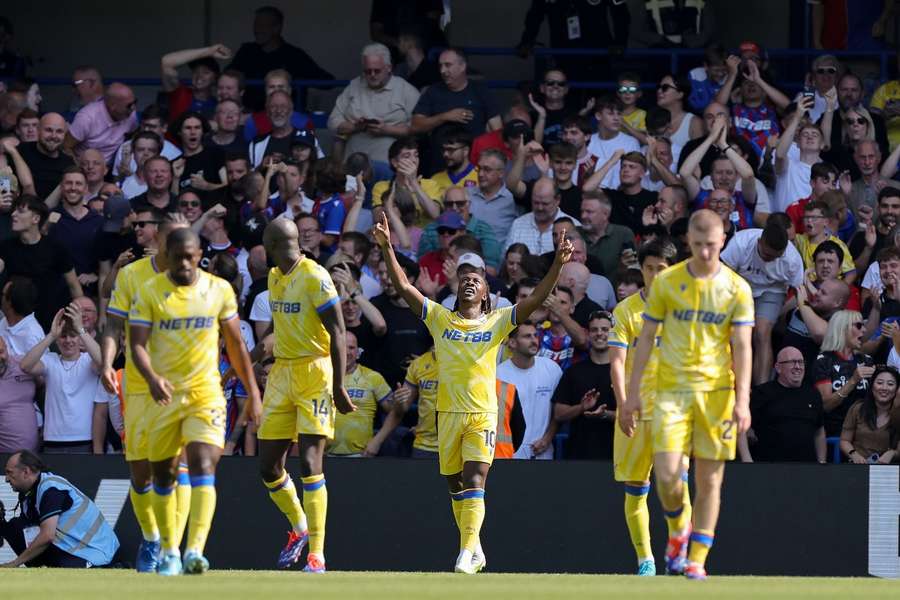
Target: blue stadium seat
pixel 835 444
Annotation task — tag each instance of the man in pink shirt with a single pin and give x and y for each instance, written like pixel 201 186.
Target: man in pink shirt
pixel 18 422
pixel 104 123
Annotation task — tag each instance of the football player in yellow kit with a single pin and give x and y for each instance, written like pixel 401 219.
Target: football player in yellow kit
pixel 466 341
pixel 702 398
pixel 174 326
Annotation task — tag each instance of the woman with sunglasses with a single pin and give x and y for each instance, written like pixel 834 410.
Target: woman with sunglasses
pixel 856 126
pixel 672 94
pixel 867 436
pixel 841 372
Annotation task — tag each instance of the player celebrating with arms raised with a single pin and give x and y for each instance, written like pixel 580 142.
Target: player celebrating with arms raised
pixel 174 327
pixel 303 389
pixel 633 456
pixel 466 341
pixel 701 405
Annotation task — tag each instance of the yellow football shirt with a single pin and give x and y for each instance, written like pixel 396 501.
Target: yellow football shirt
pixel 628 317
pixel 128 281
pixel 807 248
pixel 886 93
pixel 184 328
pixel 296 299
pixel 445 180
pixel 466 351
pixel 367 389
pixel 423 375
pixel 637 119
pixel 697 317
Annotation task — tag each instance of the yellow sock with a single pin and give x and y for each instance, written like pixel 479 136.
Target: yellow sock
pixel 456 505
pixel 163 500
pixel 315 501
pixel 142 505
pixel 470 518
pixel 637 517
pixel 284 495
pixel 701 542
pixel 182 500
pixel 203 507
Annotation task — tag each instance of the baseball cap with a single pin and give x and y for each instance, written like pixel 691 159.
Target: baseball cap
pixel 450 220
pixel 515 128
pixel 470 258
pixel 751 47
pixel 115 210
pixel 304 138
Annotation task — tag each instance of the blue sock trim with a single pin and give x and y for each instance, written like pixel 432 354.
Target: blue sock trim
pixel 702 538
pixel 311 487
pixel 456 496
pixel 200 480
pixel 684 476
pixel 281 485
pixel 163 491
pixel 634 490
pixel 470 494
pixel 674 514
pixel 184 478
pixel 143 490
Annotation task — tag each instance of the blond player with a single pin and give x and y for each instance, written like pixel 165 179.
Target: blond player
pixel 303 389
pixel 633 456
pixel 702 401
pixel 136 394
pixel 466 341
pixel 174 326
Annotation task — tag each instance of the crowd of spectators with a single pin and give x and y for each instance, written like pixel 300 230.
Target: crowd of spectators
pixel 803 183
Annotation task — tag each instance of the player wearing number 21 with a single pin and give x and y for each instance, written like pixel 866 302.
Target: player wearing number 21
pixel 466 341
pixel 703 395
pixel 174 326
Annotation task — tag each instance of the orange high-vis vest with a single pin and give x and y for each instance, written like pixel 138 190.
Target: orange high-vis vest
pixel 506 398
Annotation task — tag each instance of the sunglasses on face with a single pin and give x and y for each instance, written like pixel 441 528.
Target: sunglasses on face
pixel 856 121
pixel 189 204
pixel 826 70
pixel 455 203
pixel 555 83
pixel 628 89
pixel 446 231
pixel 142 224
pixel 665 87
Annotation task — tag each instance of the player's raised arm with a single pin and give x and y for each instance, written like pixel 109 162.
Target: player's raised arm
pixel 408 291
pixel 240 362
pixel 524 308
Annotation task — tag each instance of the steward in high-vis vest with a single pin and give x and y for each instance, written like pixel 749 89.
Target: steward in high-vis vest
pixel 510 421
pixel 72 533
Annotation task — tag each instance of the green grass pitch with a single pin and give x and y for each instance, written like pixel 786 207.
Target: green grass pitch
pixel 244 585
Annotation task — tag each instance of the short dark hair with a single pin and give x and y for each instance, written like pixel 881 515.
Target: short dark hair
pixel 467 242
pixel 272 11
pixel 578 122
pixel 775 236
pixel 26 113
pixel 566 290
pixel 401 144
pixel 515 330
pixel 456 134
pixel 233 156
pixel 658 118
pixel 32 461
pixel 457 51
pixel 629 76
pixel 158 215
pixel 829 247
pixel 234 74
pixel 885 254
pixel 658 248
pixel 563 151
pixel 888 192
pixel 821 170
pixel 35 205
pixel 361 244
pixel 608 102
pixel 357 163
pixel 633 276
pixel 153 111
pixel 148 135
pixel 818 205
pixel 714 54
pixel 781 219
pixel 22 295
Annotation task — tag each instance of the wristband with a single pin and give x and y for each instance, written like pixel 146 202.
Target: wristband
pixel 353 295
pixel 726 149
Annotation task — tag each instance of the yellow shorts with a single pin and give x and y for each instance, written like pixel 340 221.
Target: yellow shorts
pixel 136 425
pixel 633 456
pixel 298 400
pixel 191 417
pixel 698 424
pixel 465 437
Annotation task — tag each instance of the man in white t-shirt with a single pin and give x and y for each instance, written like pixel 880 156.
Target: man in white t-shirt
pixel 72 407
pixel 535 378
pixel 793 174
pixel 771 265
pixel 610 138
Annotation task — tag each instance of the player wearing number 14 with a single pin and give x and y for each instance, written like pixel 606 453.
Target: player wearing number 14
pixel 701 406
pixel 466 341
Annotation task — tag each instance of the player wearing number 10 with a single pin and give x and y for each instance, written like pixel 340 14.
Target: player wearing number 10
pixel 701 406
pixel 304 387
pixel 466 341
